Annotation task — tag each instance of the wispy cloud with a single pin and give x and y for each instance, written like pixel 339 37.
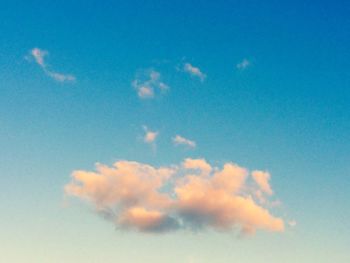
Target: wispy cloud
pixel 39 56
pixel 147 83
pixel 292 223
pixel 194 71
pixel 177 140
pixel 262 179
pixel 245 63
pixel 191 195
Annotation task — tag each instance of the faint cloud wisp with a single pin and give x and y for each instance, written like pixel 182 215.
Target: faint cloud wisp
pixel 39 57
pixel 179 140
pixel 245 63
pixel 147 83
pixel 194 71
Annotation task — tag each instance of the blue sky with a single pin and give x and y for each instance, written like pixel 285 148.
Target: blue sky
pixel 287 111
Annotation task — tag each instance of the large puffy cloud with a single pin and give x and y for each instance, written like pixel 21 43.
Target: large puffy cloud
pixel 191 195
pixel 126 184
pixel 219 201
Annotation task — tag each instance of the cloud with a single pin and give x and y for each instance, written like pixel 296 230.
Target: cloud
pixel 150 136
pixel 147 83
pixel 61 77
pixel 262 179
pixel 147 220
pixel 197 164
pixel 145 92
pixel 144 198
pixel 194 71
pixel 243 64
pixel 39 57
pixel 181 140
pixel 292 223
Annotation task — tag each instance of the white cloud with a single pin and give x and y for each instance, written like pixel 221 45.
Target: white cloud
pixel 39 57
pixel 148 199
pixel 243 64
pixel 194 71
pixel 148 83
pixel 181 140
pixel 292 223
pixel 61 77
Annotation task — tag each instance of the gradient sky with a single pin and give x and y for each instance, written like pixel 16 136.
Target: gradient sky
pixel 285 109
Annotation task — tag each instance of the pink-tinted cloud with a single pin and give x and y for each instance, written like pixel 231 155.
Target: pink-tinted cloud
pixel 199 164
pixel 150 136
pixel 216 201
pixel 148 199
pixel 262 179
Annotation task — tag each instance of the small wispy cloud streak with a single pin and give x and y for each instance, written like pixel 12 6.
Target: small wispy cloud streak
pixel 148 83
pixel 245 63
pixel 39 56
pixel 179 140
pixel 191 195
pixel 194 71
pixel 292 223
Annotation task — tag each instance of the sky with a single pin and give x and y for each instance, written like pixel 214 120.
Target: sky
pixel 174 131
